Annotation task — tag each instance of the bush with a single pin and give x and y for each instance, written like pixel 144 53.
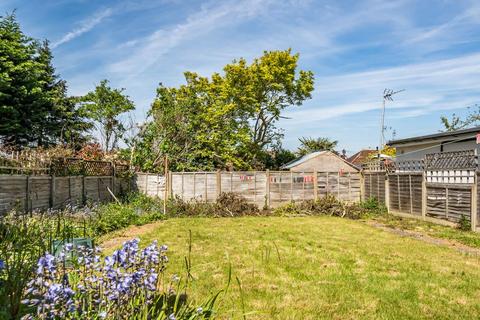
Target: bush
pixel 329 205
pixel 227 205
pixel 464 224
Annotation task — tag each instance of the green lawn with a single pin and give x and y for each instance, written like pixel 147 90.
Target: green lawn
pixel 318 267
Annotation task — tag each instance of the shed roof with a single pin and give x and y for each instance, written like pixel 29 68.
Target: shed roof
pixel 458 134
pixel 310 156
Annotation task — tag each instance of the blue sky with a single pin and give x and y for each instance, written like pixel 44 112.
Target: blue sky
pixel 355 49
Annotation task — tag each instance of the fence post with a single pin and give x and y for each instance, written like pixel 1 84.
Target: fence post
pixel 206 187
pixel 387 193
pixel 170 184
pixel 183 182
pixel 315 184
pixel 194 186
pixel 410 192
pixel 474 190
pixel 113 176
pixel 280 188
pixel 446 202
pixel 69 188
pixel 146 183
pixel 326 185
pixel 219 183
pixel 84 192
pixel 362 186
pixel 398 194
pixel 52 191
pixel 254 186
pixel 267 188
pixel 27 194
pixel 338 185
pixel 349 186
pixel 424 196
pixel 291 186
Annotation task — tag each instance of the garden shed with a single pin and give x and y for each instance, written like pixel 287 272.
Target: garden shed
pixel 320 161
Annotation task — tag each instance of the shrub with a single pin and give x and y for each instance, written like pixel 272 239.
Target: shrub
pixel 230 204
pixel 373 206
pixel 329 205
pixel 464 224
pixel 227 205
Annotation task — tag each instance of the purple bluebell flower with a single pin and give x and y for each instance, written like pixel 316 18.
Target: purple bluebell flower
pixel 107 283
pixel 68 247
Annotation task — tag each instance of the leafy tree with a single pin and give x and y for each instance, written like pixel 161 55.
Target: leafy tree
pixel 34 108
pixel 309 145
pixel 264 89
pixel 104 106
pixel 227 121
pixel 277 157
pixel 456 123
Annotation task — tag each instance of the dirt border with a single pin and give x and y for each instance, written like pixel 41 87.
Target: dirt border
pixel 426 238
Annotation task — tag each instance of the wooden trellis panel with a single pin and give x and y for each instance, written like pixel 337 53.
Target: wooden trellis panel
pixel 451 160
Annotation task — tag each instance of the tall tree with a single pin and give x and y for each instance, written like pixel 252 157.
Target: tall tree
pixel 227 121
pixel 34 106
pixel 104 106
pixel 19 85
pixel 309 145
pixel 263 89
pixel 63 122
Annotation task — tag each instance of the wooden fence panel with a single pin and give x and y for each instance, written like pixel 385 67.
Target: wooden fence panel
pixel 449 202
pixel 40 187
pixel 375 186
pixel 27 193
pixel 281 187
pixel 405 192
pixel 149 184
pixel 478 199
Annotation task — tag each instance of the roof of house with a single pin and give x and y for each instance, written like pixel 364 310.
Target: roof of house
pixel 449 135
pixel 310 156
pixel 360 157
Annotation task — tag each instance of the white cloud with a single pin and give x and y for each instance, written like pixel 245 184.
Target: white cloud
pixel 84 27
pixel 440 85
pixel 210 17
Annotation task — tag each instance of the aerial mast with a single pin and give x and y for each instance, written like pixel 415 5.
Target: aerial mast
pixel 387 96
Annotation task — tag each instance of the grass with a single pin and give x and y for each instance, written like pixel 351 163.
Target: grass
pixel 317 268
pixel 468 238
